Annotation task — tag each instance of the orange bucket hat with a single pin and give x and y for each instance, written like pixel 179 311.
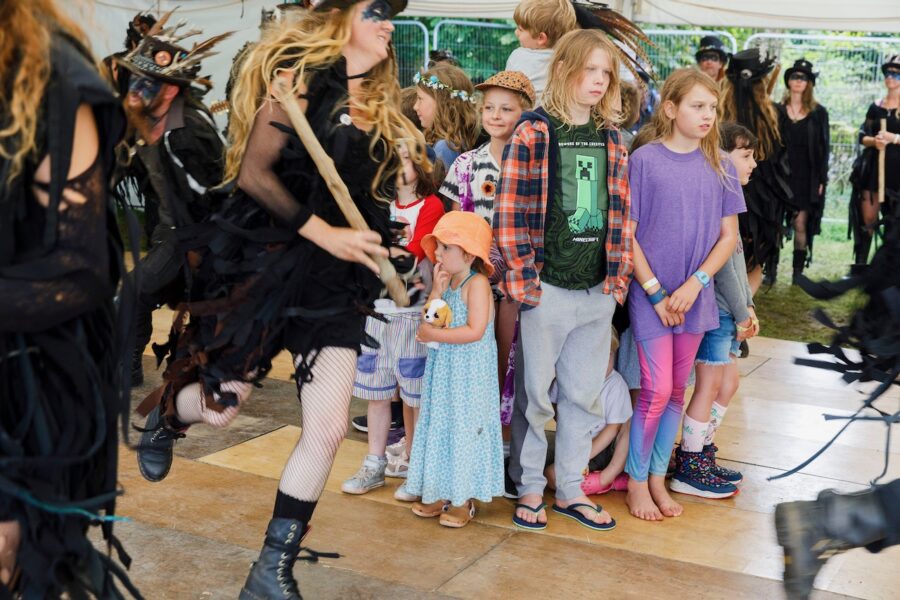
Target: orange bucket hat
pixel 467 230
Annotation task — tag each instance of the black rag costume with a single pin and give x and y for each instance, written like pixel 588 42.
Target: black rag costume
pixel 62 383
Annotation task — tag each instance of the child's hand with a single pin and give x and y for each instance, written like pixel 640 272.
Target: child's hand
pixel 425 333
pixel 754 330
pixel 684 297
pixel 441 278
pixel 669 319
pixel 744 329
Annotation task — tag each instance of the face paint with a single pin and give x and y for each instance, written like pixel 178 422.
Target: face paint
pixel 145 88
pixel 378 11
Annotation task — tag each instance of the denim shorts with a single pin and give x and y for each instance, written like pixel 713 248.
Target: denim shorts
pixel 719 344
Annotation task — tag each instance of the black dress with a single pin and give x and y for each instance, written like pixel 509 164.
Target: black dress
pixel 62 385
pixel 261 287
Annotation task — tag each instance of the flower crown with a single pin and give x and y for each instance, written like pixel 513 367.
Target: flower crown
pixel 434 83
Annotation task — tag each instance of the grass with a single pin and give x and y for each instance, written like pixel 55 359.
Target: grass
pixel 785 311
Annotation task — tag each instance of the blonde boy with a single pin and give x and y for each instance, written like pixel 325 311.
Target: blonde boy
pixel 539 25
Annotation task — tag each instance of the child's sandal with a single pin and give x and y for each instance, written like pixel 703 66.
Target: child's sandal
pixel 458 516
pixel 430 510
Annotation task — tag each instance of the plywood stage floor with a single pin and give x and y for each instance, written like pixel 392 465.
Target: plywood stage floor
pixel 195 534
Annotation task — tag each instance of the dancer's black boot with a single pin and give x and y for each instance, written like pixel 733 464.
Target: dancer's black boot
pixel 812 532
pixel 156 449
pixel 799 264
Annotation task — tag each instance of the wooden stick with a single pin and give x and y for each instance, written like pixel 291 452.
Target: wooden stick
pixel 881 165
pixel 388 275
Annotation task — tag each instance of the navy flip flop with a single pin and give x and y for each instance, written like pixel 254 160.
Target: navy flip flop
pixel 570 512
pixel 525 524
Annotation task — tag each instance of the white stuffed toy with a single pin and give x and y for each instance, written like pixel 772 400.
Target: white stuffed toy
pixel 437 313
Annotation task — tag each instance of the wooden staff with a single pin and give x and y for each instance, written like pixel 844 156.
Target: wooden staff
pixel 283 93
pixel 881 165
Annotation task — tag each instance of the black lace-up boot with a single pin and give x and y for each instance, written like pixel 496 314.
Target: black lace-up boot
pixel 157 445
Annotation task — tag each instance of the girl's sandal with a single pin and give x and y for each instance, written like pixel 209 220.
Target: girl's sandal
pixel 430 510
pixel 458 516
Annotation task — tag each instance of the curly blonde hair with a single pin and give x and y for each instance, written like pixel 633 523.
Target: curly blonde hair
pixel 455 120
pixel 26 28
pixel 566 70
pixel 310 42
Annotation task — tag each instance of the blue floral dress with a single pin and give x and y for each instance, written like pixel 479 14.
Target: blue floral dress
pixel 457 451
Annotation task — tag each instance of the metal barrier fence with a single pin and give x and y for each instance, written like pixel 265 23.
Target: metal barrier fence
pixel 480 48
pixel 849 80
pixel 411 43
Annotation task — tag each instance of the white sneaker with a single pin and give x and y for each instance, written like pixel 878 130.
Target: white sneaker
pixel 398 449
pixel 403 496
pixel 369 477
pixel 397 467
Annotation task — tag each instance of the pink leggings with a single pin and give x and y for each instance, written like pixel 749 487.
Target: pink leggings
pixel 665 366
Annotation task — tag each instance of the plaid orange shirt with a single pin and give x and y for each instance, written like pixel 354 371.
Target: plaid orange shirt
pixel 527 177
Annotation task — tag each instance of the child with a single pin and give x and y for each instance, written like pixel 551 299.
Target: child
pixel 539 25
pixel 457 454
pixel 399 359
pixel 685 200
pixel 445 103
pixel 609 434
pixel 562 226
pixel 696 472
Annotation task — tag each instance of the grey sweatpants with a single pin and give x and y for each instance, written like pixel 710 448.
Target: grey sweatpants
pixel 567 338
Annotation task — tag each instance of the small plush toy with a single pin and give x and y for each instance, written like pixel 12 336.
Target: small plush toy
pixel 437 313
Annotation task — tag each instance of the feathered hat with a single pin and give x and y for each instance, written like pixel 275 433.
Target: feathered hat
pixel 630 39
pixel 749 65
pixel 160 55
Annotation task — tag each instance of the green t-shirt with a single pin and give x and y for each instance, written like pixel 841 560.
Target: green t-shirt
pixel 575 235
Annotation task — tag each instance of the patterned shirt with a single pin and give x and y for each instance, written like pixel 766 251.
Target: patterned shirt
pixel 520 209
pixel 472 181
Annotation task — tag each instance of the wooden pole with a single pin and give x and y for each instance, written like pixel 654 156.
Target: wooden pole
pixel 282 91
pixel 881 165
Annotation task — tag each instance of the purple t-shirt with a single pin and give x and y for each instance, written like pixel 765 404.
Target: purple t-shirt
pixel 678 201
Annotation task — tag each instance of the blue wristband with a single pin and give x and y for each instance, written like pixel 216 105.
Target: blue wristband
pixel 657 296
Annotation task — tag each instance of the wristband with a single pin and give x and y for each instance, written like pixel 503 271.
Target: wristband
pixel 702 277
pixel 739 328
pixel 897 138
pixel 657 297
pixel 649 283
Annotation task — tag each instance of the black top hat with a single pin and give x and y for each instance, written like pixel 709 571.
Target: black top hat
pixel 397 6
pixel 801 66
pixel 160 56
pixel 749 65
pixel 892 62
pixel 711 43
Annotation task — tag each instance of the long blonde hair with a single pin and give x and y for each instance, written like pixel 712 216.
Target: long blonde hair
pixel 26 28
pixel 566 70
pixel 310 42
pixel 455 119
pixel 678 85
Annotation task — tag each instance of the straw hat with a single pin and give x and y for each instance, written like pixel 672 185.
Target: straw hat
pixel 515 81
pixel 467 230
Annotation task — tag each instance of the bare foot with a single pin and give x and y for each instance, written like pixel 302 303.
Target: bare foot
pixel 9 543
pixel 600 517
pixel 533 500
pixel 640 502
pixel 661 497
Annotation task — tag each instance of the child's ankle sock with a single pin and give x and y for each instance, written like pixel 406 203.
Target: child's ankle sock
pixel 716 415
pixel 693 434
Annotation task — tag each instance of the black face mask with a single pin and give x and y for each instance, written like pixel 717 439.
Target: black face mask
pixel 798 77
pixel 713 56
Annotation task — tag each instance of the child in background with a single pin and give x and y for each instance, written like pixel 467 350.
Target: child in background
pixel 472 184
pixel 539 25
pixel 399 359
pixel 445 103
pixel 562 227
pixel 609 433
pixel 696 472
pixel 685 201
pixel 408 99
pixel 457 454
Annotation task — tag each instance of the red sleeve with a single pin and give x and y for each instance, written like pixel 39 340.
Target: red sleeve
pixel 431 213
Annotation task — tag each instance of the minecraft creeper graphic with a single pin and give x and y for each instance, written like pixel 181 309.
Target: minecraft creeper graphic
pixel 587 214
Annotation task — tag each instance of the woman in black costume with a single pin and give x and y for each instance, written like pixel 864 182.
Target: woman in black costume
pixel 745 100
pixel 864 205
pixel 61 386
pixel 806 135
pixel 280 268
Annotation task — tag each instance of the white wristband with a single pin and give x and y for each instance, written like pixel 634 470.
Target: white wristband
pixel 649 284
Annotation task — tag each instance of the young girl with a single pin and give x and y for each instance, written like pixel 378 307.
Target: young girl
pixel 562 227
pixel 457 454
pixel 696 472
pixel 685 200
pixel 399 360
pixel 472 184
pixel 445 103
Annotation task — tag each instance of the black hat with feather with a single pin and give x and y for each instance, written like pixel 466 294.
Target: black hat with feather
pixel 630 39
